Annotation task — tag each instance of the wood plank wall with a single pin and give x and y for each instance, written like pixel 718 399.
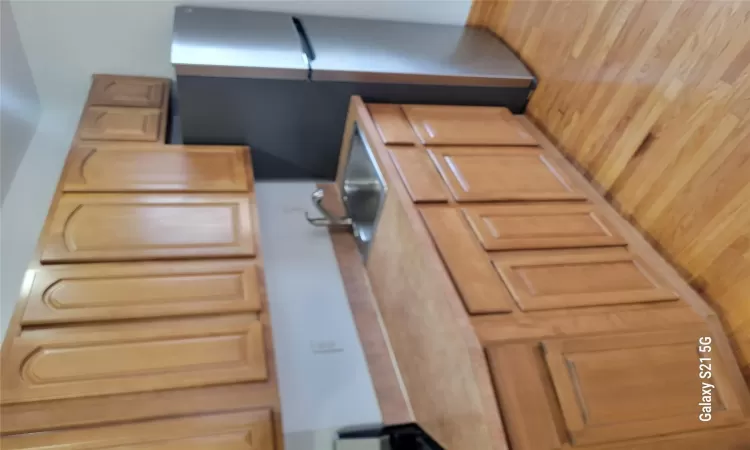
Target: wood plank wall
pixel 652 100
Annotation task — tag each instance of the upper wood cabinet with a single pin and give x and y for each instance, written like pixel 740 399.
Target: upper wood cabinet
pixel 495 174
pixel 242 430
pixel 98 292
pixel 84 361
pixel 531 226
pixel 611 388
pixel 109 123
pixel 134 167
pixel 582 277
pixel 120 227
pixel 466 125
pixel 109 90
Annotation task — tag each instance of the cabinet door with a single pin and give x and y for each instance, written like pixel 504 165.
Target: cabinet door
pixel 575 278
pixel 112 90
pixel 243 430
pixel 99 292
pixel 578 392
pixel 108 123
pixel 135 167
pixel 495 174
pixel 419 174
pixel 466 125
pixel 530 226
pixel 121 227
pixel 86 361
pixel 391 124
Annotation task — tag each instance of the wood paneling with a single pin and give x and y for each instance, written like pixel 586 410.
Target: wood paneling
pixel 420 176
pixel 652 99
pixel 137 167
pixel 116 90
pixel 85 361
pixel 245 430
pixel 120 227
pixel 92 292
pixel 108 123
pixel 485 174
pixel 529 226
pixel 466 125
pixel 578 277
pixel 392 124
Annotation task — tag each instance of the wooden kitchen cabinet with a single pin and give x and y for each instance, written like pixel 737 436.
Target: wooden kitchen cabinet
pixel 113 167
pixel 118 291
pixel 539 226
pixel 466 125
pixel 555 279
pixel 116 358
pixel 243 430
pixel 109 123
pixel 486 174
pixel 122 227
pixel 392 124
pixel 419 174
pixel 111 90
pixel 577 392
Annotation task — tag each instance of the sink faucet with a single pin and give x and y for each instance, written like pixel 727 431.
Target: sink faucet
pixel 328 219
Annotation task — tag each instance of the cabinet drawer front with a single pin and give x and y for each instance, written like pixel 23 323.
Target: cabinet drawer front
pixel 530 226
pixel 466 125
pixel 497 174
pixel 109 123
pixel 614 388
pixel 575 278
pixel 244 430
pixel 123 167
pixel 392 124
pixel 85 361
pixel 98 292
pixel 419 174
pixel 127 91
pixel 119 227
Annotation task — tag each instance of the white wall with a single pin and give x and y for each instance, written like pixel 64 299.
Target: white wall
pixel 19 102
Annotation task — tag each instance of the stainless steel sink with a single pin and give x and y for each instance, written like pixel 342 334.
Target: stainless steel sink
pixel 363 191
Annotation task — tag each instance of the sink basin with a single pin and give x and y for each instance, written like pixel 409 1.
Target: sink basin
pixel 363 191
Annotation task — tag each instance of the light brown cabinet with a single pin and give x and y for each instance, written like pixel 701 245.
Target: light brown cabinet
pixel 83 361
pixel 120 227
pixel 110 123
pixel 243 430
pixel 136 167
pixel 606 389
pixel 484 174
pixel 117 291
pixel 109 90
pixel 466 125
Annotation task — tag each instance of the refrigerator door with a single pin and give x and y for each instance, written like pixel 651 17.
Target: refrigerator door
pixel 236 43
pixel 377 51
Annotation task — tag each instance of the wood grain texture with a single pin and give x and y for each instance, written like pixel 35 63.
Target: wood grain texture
pixel 122 227
pixel 419 174
pixel 440 360
pixel 92 292
pixel 486 174
pixel 118 90
pixel 84 361
pixel 138 167
pixel 392 124
pixel 466 125
pixel 244 430
pixel 110 123
pixel 535 226
pixel 652 100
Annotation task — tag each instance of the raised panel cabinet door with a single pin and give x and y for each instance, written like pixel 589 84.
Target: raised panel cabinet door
pixel 100 292
pixel 104 359
pixel 127 227
pixel 613 388
pixel 135 167
pixel 419 175
pixel 243 430
pixel 555 279
pixel 466 125
pixel 110 123
pixel 532 226
pixel 112 90
pixel 391 124
pixel 484 174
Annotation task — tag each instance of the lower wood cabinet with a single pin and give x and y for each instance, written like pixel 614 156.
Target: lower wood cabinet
pixel 108 123
pixel 103 359
pixel 122 227
pixel 243 430
pixel 95 292
pixel 606 389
